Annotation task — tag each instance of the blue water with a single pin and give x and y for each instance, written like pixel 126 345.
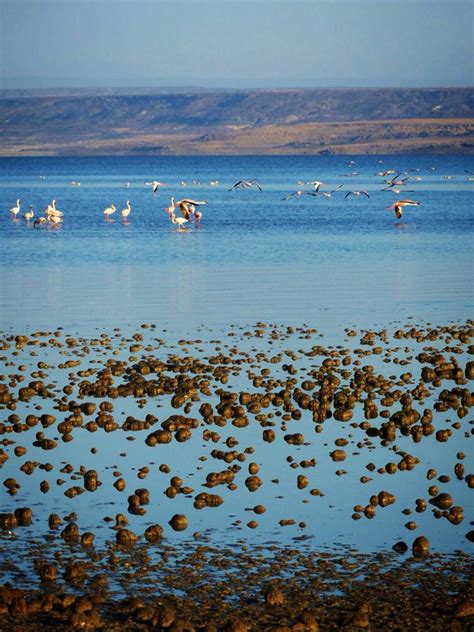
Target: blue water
pixel 331 263
pixel 255 255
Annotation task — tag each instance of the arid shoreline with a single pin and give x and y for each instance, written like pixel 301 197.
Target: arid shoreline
pixel 361 137
pixel 191 122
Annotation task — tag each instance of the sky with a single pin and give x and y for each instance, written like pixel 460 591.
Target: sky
pixel 236 43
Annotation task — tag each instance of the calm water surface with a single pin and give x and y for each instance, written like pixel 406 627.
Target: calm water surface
pixel 256 257
pixel 327 262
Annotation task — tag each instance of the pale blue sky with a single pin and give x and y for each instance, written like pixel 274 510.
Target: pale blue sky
pixel 236 43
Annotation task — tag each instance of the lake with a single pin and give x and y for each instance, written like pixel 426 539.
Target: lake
pixel 265 282
pixel 255 257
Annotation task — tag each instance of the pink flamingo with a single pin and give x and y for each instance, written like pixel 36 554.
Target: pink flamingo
pixel 399 204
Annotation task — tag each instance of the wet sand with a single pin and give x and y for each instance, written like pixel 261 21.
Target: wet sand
pixel 208 483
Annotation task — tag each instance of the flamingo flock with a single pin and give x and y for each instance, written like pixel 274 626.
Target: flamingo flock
pixel 189 212
pixel 52 215
pixel 189 209
pixel 186 213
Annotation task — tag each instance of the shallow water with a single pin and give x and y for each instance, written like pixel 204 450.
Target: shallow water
pixel 255 257
pixel 330 263
pixel 325 518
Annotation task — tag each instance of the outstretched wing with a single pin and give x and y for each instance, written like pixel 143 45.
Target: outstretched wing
pixel 193 202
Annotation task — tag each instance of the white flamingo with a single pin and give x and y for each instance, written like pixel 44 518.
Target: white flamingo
pixel 172 207
pixel 155 185
pixel 15 209
pixel 29 214
pixel 316 184
pixel 127 210
pixel 356 193
pixel 179 221
pixel 245 184
pixel 297 194
pixel 51 210
pixel 110 210
pixel 328 194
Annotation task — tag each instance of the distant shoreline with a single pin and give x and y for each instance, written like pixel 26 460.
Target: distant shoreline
pixel 413 136
pixel 191 121
pixel 13 93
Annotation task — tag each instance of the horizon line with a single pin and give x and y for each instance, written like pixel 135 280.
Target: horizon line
pixel 241 89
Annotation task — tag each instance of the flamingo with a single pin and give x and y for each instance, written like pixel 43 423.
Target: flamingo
pixel 187 206
pixel 328 193
pixel 399 204
pixel 110 210
pixel 39 222
pixel 179 221
pixel 127 210
pixel 388 172
pixel 356 193
pixel 55 219
pixel 187 210
pixel 394 182
pixel 29 214
pixel 246 184
pixel 316 184
pixel 155 185
pixel 52 210
pixel 298 194
pixel 16 209
pixel 398 191
pixel 171 208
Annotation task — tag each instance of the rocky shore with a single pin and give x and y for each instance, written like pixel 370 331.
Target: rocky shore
pixel 117 450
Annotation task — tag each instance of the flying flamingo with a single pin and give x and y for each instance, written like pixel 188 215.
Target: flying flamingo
pixel 245 184
pixel 328 193
pixel 399 204
pixel 188 207
pixel 155 185
pixel 356 193
pixel 316 184
pixel 297 193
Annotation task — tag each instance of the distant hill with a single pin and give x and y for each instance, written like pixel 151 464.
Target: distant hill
pixel 191 121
